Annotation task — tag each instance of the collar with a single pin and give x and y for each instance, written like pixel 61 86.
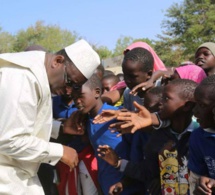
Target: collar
pixel 209 132
pixel 193 125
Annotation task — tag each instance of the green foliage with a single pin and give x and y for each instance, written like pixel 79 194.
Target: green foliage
pixel 6 40
pixel 189 24
pixel 103 51
pixel 51 37
pixel 123 42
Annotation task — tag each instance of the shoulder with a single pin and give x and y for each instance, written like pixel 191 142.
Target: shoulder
pixel 109 107
pixel 198 132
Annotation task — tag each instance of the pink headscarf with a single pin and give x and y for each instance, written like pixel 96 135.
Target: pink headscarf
pixel 158 64
pixel 192 72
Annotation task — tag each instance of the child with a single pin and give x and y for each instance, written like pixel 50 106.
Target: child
pixel 188 71
pixel 164 168
pixel 202 141
pixel 158 64
pixel 89 102
pixel 108 82
pixel 205 57
pixel 137 67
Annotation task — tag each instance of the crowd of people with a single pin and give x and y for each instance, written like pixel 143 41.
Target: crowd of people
pixel 70 127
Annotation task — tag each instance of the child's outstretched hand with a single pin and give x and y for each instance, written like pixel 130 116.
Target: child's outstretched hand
pixel 142 86
pixel 206 186
pixel 116 189
pixel 131 122
pixel 107 115
pixel 108 154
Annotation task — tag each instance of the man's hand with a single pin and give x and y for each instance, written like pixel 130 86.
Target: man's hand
pixel 70 157
pixel 206 186
pixel 131 122
pixel 108 154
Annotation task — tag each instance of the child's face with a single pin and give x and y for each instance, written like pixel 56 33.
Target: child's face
pixel 107 84
pixel 152 102
pixel 205 59
pixel 133 75
pixel 171 103
pixel 85 99
pixel 203 110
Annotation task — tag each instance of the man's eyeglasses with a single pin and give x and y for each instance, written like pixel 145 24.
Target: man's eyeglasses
pixel 68 82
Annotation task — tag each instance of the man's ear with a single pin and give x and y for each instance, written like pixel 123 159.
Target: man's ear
pixel 189 106
pixel 97 92
pixel 58 60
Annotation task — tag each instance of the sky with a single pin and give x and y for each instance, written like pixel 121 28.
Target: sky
pixel 101 22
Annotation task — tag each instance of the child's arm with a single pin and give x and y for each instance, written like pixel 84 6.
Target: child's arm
pixel 112 97
pixel 131 170
pixel 150 83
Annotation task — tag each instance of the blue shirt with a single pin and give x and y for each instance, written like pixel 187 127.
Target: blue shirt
pixel 202 153
pixel 100 135
pixel 62 110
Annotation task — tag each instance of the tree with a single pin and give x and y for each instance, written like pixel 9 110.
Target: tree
pixel 189 24
pixel 51 37
pixel 103 51
pixel 6 40
pixel 123 42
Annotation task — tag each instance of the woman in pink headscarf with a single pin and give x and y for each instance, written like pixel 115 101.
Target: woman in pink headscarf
pixel 158 64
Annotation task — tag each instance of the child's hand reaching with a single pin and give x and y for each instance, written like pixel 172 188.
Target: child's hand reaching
pixel 107 115
pixel 109 155
pixel 116 189
pixel 142 86
pixel 131 122
pixel 206 186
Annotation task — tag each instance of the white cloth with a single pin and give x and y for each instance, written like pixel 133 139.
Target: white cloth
pixel 25 122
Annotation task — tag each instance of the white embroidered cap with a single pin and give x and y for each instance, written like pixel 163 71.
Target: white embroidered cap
pixel 84 57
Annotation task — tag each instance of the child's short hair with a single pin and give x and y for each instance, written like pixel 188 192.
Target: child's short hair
pixel 142 55
pixel 94 82
pixel 209 82
pixel 186 88
pixel 112 77
pixel 101 68
pixel 156 91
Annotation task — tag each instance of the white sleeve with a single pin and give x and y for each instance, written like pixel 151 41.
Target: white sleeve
pixel 19 97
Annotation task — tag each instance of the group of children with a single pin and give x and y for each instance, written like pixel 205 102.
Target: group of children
pixel 171 151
